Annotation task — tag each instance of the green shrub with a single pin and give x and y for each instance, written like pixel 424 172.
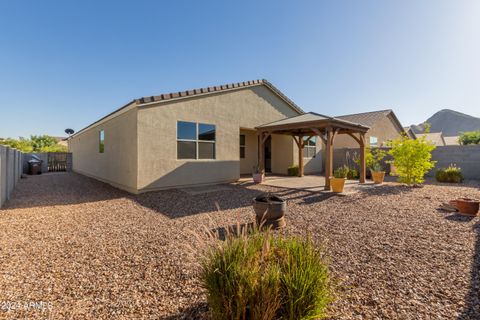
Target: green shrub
pixel 411 158
pixel 341 172
pixel 452 174
pixel 373 159
pixel 261 276
pixel 293 170
pixel 471 137
pixel 353 174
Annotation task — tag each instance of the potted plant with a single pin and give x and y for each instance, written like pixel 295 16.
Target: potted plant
pixel 270 210
pixel 337 182
pixel 467 206
pixel 257 175
pixel 376 166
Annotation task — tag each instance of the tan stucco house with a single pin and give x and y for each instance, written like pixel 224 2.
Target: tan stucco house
pixel 211 135
pixel 384 126
pixel 194 137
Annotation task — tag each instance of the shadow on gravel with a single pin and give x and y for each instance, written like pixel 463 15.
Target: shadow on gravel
pixel 176 204
pixel 196 311
pixel 472 300
pixel 459 217
pixel 56 189
pixel 386 189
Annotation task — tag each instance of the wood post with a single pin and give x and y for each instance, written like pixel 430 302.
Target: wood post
pixel 262 137
pixel 328 158
pixel 363 164
pixel 261 153
pixel 300 156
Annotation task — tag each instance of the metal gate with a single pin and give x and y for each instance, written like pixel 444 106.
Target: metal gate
pixel 57 161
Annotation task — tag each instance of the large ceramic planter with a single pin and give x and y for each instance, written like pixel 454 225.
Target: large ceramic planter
pixel 270 211
pixel 467 206
pixel 378 176
pixel 337 184
pixel 258 177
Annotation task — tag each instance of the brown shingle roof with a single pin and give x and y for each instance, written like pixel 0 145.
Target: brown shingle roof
pixel 370 118
pixel 436 138
pixel 215 89
pixel 366 118
pixel 201 91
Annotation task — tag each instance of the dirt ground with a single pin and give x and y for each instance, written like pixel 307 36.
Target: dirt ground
pixel 73 247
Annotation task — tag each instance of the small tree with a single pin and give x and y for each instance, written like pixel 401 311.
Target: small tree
pixel 471 137
pixel 373 159
pixel 412 158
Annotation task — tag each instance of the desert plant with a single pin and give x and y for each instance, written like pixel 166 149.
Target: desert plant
pixel 471 137
pixel 260 276
pixel 352 174
pixel 341 172
pixel 411 158
pixel 373 159
pixel 293 170
pixel 451 174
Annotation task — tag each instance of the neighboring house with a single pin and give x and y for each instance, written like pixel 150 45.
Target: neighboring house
pixel 436 138
pixel 384 126
pixel 63 141
pixel 195 137
pixel 410 132
pixel 451 141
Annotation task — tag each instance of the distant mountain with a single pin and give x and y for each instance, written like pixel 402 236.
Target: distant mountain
pixel 449 122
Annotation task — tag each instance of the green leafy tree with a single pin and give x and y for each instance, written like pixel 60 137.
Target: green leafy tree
pixel 22 144
pixel 412 158
pixel 42 143
pixel 471 137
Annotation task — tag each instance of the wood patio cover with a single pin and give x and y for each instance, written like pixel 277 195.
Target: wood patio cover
pixel 307 126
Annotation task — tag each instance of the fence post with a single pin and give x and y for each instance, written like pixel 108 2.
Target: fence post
pixel 3 175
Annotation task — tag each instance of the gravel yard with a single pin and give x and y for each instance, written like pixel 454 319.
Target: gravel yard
pixel 95 252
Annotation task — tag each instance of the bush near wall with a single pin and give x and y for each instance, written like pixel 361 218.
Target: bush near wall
pixel 452 174
pixel 471 137
pixel 293 171
pixel 261 276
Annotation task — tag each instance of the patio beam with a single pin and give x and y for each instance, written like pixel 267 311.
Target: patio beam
pixel 328 158
pixel 363 164
pixel 262 137
pixel 300 144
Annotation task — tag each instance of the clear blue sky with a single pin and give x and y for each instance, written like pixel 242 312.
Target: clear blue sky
pixel 76 61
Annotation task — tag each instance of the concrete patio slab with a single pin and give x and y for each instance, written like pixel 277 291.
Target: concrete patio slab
pixel 311 183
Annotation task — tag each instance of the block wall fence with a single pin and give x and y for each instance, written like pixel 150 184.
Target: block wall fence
pixel 11 169
pixel 466 157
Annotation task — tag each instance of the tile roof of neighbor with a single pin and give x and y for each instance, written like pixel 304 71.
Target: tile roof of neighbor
pixel 451 141
pixel 306 117
pixel 366 118
pixel 436 138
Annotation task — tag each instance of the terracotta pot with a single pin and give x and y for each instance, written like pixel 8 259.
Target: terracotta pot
pixel 378 176
pixel 467 206
pixel 258 177
pixel 270 211
pixel 337 184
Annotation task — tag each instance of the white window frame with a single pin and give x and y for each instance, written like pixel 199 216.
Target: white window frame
pixel 308 147
pixel 197 125
pixel 376 141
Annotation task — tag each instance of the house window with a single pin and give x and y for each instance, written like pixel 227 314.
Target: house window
pixel 373 142
pixel 101 141
pixel 310 148
pixel 195 140
pixel 242 146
